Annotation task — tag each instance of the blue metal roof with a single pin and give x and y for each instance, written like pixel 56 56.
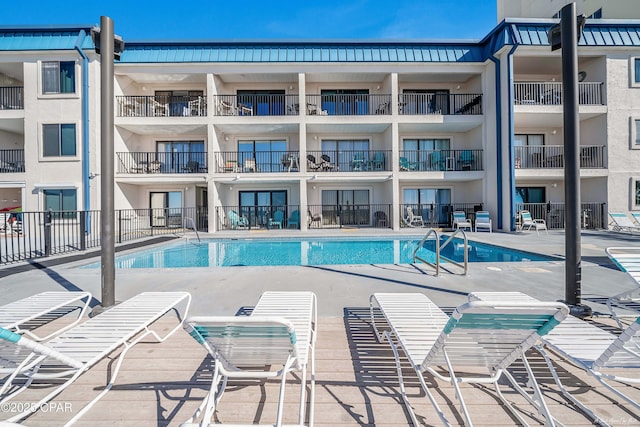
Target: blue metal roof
pixel 595 33
pixel 299 52
pixel 16 39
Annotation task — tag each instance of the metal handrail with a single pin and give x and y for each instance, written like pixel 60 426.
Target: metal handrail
pixel 193 225
pixel 439 247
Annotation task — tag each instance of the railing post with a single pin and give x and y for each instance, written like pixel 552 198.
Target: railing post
pixel 119 212
pixel 47 233
pixel 81 231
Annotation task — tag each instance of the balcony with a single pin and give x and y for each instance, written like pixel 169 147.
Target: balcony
pixel 256 105
pixel 550 93
pixel 258 217
pixel 437 215
pixel 162 163
pixel 439 103
pixel 257 162
pixel 11 161
pixel 348 105
pixel 440 160
pixel 161 106
pixel 348 161
pixel 593 215
pixel 552 157
pixel 11 98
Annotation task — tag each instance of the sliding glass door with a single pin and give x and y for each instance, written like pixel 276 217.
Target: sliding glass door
pixel 432 204
pixel 166 208
pixel 259 206
pixel 346 207
pixel 261 156
pixel 181 156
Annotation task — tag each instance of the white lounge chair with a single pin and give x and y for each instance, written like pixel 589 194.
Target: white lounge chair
pixel 460 220
pixel 628 260
pixel 281 331
pixel 24 315
pixel 621 222
pixel 76 350
pixel 413 220
pixel 587 347
pixel 528 222
pixel 489 335
pixel 483 220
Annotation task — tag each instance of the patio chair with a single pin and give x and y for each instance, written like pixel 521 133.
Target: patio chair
pixel 27 314
pixel 626 259
pixel 621 222
pixel 413 220
pixel 527 222
pixel 250 165
pixel 294 219
pixel 279 333
pixel 479 334
pixel 317 219
pixel 406 165
pixel 466 159
pixel 380 219
pixel 311 163
pixel 236 221
pixel 597 352
pixel 377 163
pixel 326 164
pixel 276 220
pixel 227 109
pixel 438 160
pixel 76 350
pixel 460 220
pixel 358 163
pixel 483 220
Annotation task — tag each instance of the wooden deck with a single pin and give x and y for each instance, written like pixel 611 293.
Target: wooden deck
pixel 356 384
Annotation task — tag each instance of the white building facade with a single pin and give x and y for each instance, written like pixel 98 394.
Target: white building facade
pixel 350 134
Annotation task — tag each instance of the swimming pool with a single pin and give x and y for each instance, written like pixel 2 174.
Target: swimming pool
pixel 309 251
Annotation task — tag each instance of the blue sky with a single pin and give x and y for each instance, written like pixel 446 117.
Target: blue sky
pixel 283 19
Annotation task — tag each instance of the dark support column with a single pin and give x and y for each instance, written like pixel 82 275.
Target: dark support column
pixel 107 162
pixel 571 123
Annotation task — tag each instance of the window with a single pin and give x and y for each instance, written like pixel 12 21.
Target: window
pixel 181 156
pixel 432 204
pixel 58 140
pixel 635 133
pixel 427 154
pixel 529 150
pixel 63 203
pixel 349 154
pixel 345 102
pixel 596 15
pixel 636 193
pixel 261 156
pixel 58 77
pixel 635 72
pixel 258 206
pixel 346 207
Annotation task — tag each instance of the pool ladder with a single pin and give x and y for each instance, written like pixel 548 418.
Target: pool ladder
pixel 439 247
pixel 193 225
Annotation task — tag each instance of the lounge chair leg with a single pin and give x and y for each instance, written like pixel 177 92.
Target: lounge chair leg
pixel 456 386
pixel 283 383
pixel 565 392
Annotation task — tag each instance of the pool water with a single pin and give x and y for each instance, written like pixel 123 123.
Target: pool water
pixel 313 251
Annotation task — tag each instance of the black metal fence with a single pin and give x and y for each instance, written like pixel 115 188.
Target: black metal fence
pixel 440 160
pixel 348 161
pixel 552 157
pixel 593 215
pixel 258 161
pixel 161 106
pixel 30 235
pixel 350 215
pixel 349 104
pixel 11 98
pixel 256 105
pixel 12 160
pixel 258 217
pixel 161 162
pixel 436 215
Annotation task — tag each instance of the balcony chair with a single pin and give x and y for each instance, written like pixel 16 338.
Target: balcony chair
pixel 250 165
pixel 377 163
pixel 438 160
pixel 227 109
pixel 294 220
pixel 312 165
pixel 276 220
pixel 358 163
pixel 317 219
pixel 406 165
pixel 326 163
pixel 466 160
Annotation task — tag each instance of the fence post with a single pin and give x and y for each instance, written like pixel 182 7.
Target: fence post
pixel 47 233
pixel 151 221
pixel 119 226
pixel 81 231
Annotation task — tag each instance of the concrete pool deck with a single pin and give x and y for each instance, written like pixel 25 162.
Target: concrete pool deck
pixel 357 384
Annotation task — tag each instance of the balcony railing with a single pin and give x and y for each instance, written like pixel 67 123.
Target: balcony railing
pixel 258 217
pixel 259 161
pixel 161 106
pixel 440 160
pixel 350 215
pixel 167 163
pixel 349 104
pixel 437 214
pixel 439 103
pixel 11 161
pixel 11 98
pixel 348 161
pixel 256 105
pixel 550 93
pixel 552 157
pixel 593 215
